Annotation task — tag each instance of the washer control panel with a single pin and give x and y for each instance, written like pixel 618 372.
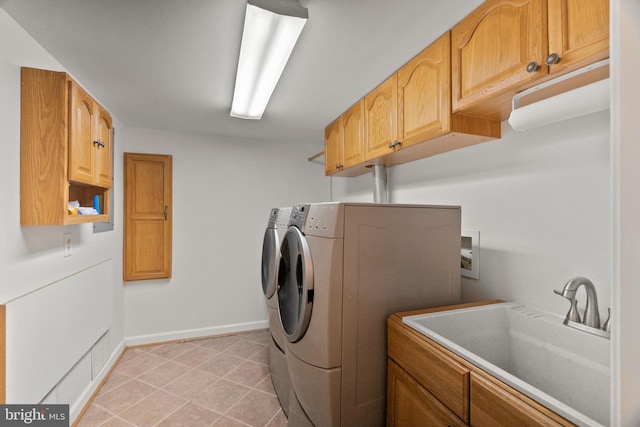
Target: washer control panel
pixel 299 215
pixel 273 218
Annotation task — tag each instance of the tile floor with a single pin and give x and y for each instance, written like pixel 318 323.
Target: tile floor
pixel 222 382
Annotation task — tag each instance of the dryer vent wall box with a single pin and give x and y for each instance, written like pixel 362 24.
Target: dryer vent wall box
pixel 470 254
pixel 346 268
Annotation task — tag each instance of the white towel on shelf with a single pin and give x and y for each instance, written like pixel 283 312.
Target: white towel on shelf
pixel 87 211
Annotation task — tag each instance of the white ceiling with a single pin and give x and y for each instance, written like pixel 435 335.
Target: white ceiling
pixel 170 64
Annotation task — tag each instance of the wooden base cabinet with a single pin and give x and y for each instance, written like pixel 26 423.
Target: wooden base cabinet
pixel 430 385
pixel 412 405
pixel 65 150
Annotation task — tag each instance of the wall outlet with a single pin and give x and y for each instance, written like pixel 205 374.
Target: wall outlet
pixel 67 245
pixel 470 254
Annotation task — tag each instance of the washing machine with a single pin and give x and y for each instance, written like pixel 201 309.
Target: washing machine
pixel 344 268
pixel 277 225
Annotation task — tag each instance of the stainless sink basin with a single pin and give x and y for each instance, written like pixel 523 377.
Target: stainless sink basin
pixel 562 368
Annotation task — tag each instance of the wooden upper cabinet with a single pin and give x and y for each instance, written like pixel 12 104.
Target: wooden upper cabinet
pixel 58 161
pixel 381 118
pixel 578 32
pixel 90 140
pixel 506 46
pixel 492 47
pixel 352 128
pixel 424 101
pixel 104 149
pixel 333 148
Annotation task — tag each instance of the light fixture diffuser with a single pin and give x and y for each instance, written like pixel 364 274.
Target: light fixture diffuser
pixel 271 29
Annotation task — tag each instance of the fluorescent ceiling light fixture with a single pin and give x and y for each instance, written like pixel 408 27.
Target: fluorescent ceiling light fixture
pixel 271 29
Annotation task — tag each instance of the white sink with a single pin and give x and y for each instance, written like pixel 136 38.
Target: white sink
pixel 565 369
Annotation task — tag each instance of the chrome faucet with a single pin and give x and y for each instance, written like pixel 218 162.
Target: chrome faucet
pixel 591 317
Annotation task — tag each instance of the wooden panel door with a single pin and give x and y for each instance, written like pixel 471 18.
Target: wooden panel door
pixel 104 149
pixel 578 32
pixel 381 118
pixel 333 148
pixel 353 135
pixel 492 47
pixel 424 94
pixel 147 216
pixel 411 405
pixel 81 148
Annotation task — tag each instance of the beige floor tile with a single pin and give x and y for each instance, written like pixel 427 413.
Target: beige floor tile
pixel 249 374
pixel 260 337
pixel 218 344
pixel 222 395
pixel 152 409
pixel 262 356
pixel 130 354
pixel 115 380
pixel 94 416
pixel 221 364
pixel 140 364
pixel 117 422
pixel 228 422
pixel 190 415
pixel 171 350
pixel 244 349
pixel 266 385
pixel 280 420
pixel 164 374
pixel 255 409
pixel 195 356
pixel 123 397
pixel 191 384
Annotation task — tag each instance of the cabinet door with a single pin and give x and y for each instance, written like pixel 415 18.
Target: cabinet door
pixel 381 118
pixel 578 32
pixel 492 46
pixel 81 148
pixel 493 406
pixel 411 405
pixel 104 149
pixel 424 101
pixel 332 148
pixel 147 216
pixel 353 135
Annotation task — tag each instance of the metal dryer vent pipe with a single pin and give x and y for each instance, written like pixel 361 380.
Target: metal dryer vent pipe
pixel 380 194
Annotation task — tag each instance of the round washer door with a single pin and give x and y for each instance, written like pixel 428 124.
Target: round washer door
pixel 270 262
pixel 295 284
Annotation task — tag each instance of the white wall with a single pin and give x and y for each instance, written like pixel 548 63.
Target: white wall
pixel 540 199
pixel 223 190
pixel 31 258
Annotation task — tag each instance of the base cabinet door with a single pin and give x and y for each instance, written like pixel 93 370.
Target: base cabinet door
pixel 411 405
pixel 493 406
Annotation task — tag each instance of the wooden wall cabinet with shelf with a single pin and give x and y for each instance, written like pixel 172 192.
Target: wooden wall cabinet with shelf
pixel 504 47
pixel 408 116
pixel 344 143
pixel 65 150
pixel 428 384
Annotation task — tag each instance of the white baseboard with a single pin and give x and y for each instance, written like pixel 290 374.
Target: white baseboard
pixel 76 408
pixel 195 333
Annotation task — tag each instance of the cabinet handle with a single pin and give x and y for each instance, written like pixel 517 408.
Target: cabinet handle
pixel 98 143
pixel 166 212
pixel 394 144
pixel 554 58
pixel 339 166
pixel 532 67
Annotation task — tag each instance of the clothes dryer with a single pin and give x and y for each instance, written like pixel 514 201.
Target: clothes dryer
pixel 344 268
pixel 277 225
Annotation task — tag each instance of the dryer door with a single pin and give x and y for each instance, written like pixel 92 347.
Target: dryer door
pixel 270 262
pixel 295 284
